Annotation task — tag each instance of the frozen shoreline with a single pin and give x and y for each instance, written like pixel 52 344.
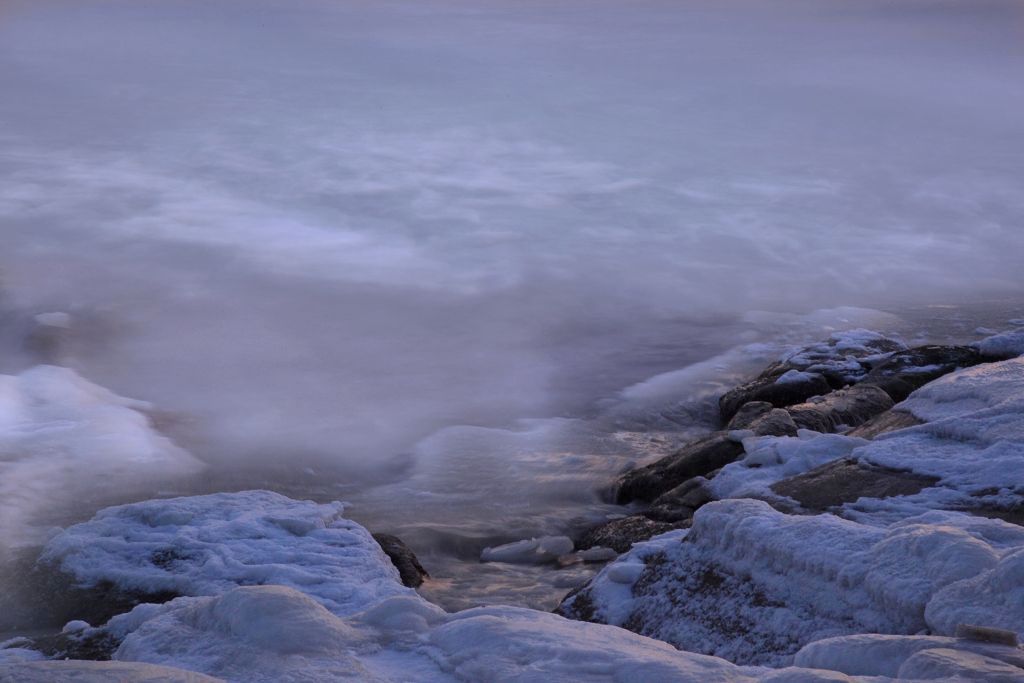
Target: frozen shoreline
pixel 392 632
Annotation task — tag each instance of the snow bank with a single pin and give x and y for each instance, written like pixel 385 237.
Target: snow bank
pixel 63 437
pixel 205 545
pixel 753 585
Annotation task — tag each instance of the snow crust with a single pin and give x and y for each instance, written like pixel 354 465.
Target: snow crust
pixel 752 584
pixel 61 436
pixel 205 545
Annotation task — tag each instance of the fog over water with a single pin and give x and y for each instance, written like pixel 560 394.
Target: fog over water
pixel 319 231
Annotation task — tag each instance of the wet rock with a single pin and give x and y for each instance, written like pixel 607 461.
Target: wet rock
pixel 889 421
pixel 621 534
pixel 847 480
pixel 763 419
pixel 697 459
pixel 904 371
pixel 851 407
pixel 767 388
pixel 681 502
pixel 404 559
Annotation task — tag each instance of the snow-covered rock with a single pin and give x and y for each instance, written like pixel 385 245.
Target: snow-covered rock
pixel 769 459
pixel 972 439
pixel 753 585
pixel 290 590
pixel 875 654
pixel 61 437
pixel 205 545
pixel 1004 344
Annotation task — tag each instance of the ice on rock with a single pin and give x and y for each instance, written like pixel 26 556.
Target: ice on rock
pixel 206 545
pixel 529 551
pixel 972 438
pixel 520 645
pixel 251 633
pixel 753 585
pixel 992 598
pixel 61 435
pixel 264 634
pixel 792 376
pixel 330 607
pixel 1003 344
pixel 769 459
pixel 956 665
pixel 844 354
pixel 873 654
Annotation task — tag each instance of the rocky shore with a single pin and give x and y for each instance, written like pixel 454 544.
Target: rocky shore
pixel 855 518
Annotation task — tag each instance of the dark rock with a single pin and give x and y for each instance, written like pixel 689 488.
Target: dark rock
pixel 748 413
pixel 404 559
pixel 779 394
pixel 852 407
pixel 845 481
pixel 621 534
pixel 889 421
pixel 694 460
pixel 777 422
pixel 764 420
pixel 681 502
pixel 904 371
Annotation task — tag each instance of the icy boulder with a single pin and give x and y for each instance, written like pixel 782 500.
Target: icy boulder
pixel 753 585
pixel 63 437
pixel 206 545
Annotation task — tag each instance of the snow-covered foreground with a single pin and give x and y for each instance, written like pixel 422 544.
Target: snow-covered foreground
pixel 280 590
pixel 275 589
pixel 755 585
